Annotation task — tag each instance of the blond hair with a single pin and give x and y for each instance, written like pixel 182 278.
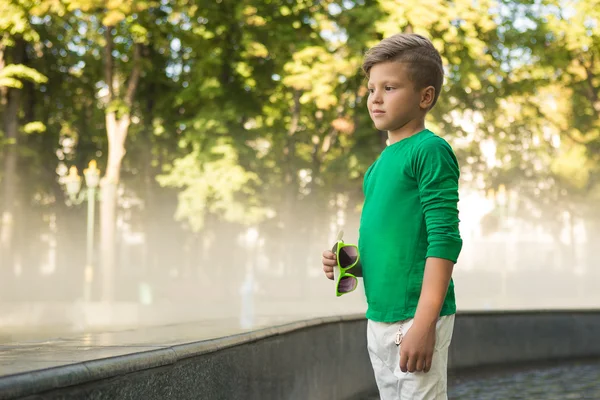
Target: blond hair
pixel 424 61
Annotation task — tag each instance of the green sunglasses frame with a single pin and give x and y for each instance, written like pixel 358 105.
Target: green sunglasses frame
pixel 339 245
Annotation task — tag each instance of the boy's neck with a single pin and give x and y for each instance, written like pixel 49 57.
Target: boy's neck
pixel 408 130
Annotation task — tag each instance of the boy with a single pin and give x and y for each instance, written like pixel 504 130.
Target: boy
pixel 408 239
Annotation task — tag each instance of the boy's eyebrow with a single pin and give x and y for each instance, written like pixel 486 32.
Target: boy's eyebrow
pixel 386 82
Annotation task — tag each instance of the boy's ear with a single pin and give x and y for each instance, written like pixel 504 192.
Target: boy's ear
pixel 427 96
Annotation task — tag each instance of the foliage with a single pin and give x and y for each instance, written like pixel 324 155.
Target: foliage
pixel 255 111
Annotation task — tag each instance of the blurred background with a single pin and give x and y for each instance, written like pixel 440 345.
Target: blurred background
pixel 172 161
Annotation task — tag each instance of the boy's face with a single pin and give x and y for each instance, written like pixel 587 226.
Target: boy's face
pixel 393 101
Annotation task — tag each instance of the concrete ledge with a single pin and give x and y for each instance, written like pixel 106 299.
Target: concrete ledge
pixel 496 338
pixel 324 358
pixel 294 361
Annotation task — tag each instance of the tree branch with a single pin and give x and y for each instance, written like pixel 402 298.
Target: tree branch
pixel 592 94
pixel 135 75
pixel 108 62
pixel 562 130
pixel 573 138
pixel 3 89
pixel 290 146
pixel 295 114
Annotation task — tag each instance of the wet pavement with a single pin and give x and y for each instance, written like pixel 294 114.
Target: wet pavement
pixel 18 356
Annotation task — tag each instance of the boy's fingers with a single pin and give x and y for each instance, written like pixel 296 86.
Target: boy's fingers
pixel 329 258
pixel 328 270
pixel 420 364
pixel 411 364
pixel 329 254
pixel 403 361
pixel 329 263
pixel 427 364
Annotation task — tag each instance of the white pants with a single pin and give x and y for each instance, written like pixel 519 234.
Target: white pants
pixel 394 384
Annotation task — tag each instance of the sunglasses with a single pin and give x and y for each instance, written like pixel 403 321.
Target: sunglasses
pixel 347 257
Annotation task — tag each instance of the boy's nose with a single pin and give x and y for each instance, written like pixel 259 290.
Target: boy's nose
pixel 377 98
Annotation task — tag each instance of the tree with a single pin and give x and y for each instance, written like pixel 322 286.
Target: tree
pixel 16 34
pixel 122 72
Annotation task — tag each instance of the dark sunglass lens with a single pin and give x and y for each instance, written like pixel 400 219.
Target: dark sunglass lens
pixel 348 256
pixel 347 284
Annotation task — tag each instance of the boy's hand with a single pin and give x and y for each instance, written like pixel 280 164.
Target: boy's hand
pixel 329 262
pixel 416 349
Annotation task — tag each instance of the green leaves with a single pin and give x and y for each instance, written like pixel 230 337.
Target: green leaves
pixel 213 183
pixel 316 72
pixel 14 21
pixel 34 127
pixel 13 75
pixel 233 91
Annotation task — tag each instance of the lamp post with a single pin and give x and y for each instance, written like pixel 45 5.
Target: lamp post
pixel 76 196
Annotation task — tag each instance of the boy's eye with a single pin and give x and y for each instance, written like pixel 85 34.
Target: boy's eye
pixel 389 88
pixel 371 90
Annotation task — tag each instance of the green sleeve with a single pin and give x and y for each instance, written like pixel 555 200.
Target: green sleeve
pixel 436 171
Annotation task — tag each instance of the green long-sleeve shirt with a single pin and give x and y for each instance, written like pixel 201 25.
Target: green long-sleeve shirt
pixel 410 213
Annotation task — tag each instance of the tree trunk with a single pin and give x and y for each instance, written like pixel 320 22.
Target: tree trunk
pixel 290 189
pixel 107 239
pixel 3 89
pixel 149 223
pixel 9 184
pixel 117 127
pixel 117 132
